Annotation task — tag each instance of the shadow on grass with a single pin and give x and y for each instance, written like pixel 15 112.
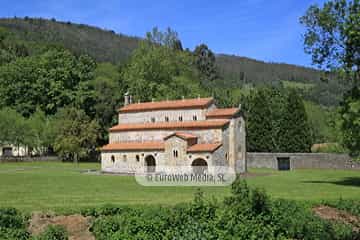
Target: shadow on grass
pixel 348 181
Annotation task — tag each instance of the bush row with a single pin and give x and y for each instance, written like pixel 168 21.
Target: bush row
pixel 246 214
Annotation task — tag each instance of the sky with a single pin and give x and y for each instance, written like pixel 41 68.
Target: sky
pixel 267 30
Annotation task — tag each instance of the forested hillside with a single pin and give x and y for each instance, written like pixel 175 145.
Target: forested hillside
pixel 239 72
pixel 102 45
pixel 62 83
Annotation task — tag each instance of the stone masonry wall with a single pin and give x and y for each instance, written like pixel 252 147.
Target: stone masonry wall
pixel 126 161
pixel 302 160
pixel 204 135
pixel 159 115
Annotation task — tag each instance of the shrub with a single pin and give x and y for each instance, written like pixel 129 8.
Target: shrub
pixel 246 214
pixel 351 206
pixel 106 210
pixel 11 234
pixel 11 218
pixel 260 202
pixel 54 232
pixel 12 225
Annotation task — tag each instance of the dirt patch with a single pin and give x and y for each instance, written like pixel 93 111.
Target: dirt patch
pixel 76 225
pixel 333 214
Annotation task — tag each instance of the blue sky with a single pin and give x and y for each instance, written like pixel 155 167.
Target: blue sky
pixel 267 30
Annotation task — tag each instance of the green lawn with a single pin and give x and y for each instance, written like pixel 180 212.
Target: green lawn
pixel 59 186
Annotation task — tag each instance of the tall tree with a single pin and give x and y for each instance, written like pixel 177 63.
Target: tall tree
pixel 350 111
pixel 76 134
pixel 205 62
pixel 168 38
pixel 41 132
pixel 14 129
pixel 51 80
pixel 332 37
pixel 294 133
pixel 259 127
pixel 159 72
pixel 109 89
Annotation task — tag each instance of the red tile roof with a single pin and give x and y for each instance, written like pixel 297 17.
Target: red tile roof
pixel 222 113
pixel 205 124
pixel 182 135
pixel 134 146
pixel 204 147
pixel 173 104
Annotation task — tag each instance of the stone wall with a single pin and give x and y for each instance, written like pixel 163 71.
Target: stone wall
pixel 127 161
pixel 204 135
pixel 302 160
pixel 159 115
pixel 29 159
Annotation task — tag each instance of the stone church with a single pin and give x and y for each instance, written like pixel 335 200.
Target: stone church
pixel 186 132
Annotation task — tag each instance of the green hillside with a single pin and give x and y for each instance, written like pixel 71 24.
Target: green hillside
pixel 235 72
pixel 102 45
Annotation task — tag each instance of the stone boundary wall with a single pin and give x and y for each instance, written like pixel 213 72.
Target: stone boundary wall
pixel 29 159
pixel 302 160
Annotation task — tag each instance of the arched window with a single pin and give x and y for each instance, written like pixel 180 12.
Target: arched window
pixel 124 157
pixel 166 119
pixel 137 158
pixel 195 118
pixel 152 119
pixel 180 118
pixel 175 153
pixel 112 158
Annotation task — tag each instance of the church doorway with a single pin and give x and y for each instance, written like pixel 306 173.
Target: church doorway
pixel 150 163
pixel 199 166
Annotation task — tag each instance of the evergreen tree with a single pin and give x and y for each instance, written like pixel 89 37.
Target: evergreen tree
pixel 294 134
pixel 205 62
pixel 276 101
pixel 259 127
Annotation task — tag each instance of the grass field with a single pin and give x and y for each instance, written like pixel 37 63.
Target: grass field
pixel 59 186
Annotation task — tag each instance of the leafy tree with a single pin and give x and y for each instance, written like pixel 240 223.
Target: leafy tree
pixel 350 111
pixel 332 37
pixel 14 128
pixel 109 89
pixel 41 132
pixel 76 134
pixel 160 72
pixel 51 80
pixel 294 134
pixel 205 62
pixel 3 35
